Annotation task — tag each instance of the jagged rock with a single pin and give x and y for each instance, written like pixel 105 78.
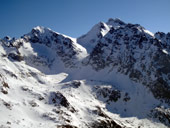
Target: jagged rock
pixel 15 57
pixel 73 84
pixel 8 105
pixel 108 93
pixel 57 98
pixel 66 126
pixel 76 84
pixel 126 97
pixel 162 114
pixel 4 91
pixel 100 112
pixel 105 124
pixel 5 85
pixel 49 116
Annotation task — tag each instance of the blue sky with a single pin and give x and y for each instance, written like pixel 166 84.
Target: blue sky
pixel 76 17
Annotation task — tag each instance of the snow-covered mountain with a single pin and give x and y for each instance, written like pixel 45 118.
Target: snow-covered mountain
pixel 115 76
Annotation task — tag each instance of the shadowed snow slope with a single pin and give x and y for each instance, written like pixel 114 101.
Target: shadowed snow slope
pixel 115 76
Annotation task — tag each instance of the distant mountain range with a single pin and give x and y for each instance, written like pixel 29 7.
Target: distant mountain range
pixel 115 76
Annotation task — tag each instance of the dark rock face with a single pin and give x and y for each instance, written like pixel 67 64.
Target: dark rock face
pixel 57 98
pixel 126 97
pixel 76 84
pixel 135 53
pixel 66 126
pixel 118 48
pixel 161 90
pixel 4 87
pixel 15 57
pixel 110 94
pixel 100 112
pixel 161 114
pixel 165 38
pixel 105 124
pixel 8 105
pixel 73 84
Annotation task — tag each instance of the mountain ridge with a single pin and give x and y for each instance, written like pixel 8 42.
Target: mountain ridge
pixel 95 80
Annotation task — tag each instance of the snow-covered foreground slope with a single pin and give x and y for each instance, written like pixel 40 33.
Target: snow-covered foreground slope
pixel 49 80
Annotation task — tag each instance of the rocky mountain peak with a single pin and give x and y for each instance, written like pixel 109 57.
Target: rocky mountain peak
pixel 137 53
pixel 90 39
pixel 115 22
pixel 93 81
pixel 41 29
